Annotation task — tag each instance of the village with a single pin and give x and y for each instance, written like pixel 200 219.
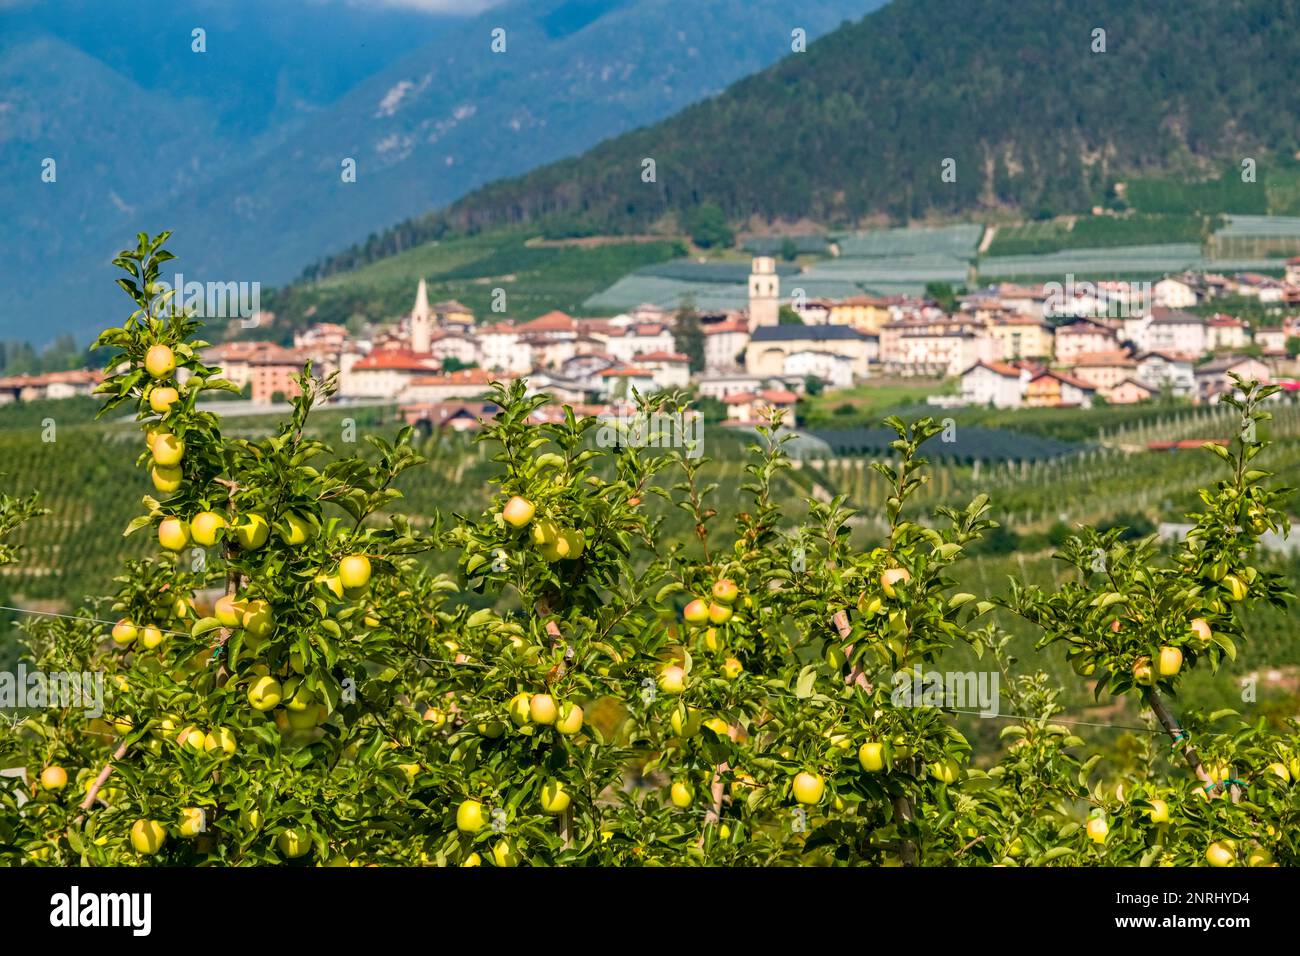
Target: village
pixel 1005 346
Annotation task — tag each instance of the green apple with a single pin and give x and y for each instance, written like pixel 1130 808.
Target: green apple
pixel 252 531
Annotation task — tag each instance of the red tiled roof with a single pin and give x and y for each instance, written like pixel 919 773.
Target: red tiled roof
pixel 394 360
pixel 1001 368
pixel 553 321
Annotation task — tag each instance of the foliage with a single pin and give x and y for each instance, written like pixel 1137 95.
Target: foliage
pixel 587 690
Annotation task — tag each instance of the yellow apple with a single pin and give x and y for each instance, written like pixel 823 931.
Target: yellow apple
pixel 167 449
pixel 220 738
pixel 354 571
pixel 473 860
pixel 725 591
pixel 872 756
pixel 672 679
pixel 504 853
pixel 518 709
pixel 470 817
pixel 264 693
pixel 298 697
pixel 124 632
pixel 147 836
pixel 251 532
pixel 1201 628
pixel 682 794
pixel 162 398
pixel 193 822
pixel 1142 672
pixel 54 777
pixel 890 578
pixel 945 771
pixel 438 718
pixel 173 534
pixel 165 479
pixel 1236 587
pixel 732 668
pixel 491 729
pixel 293 844
pixel 696 612
pixel 719 614
pixel 1280 770
pixel 229 610
pixel 294 529
pixel 1220 853
pixel 808 787
pixel 1098 830
pixel 1170 661
pixel 544 533
pixel 518 512
pixel 718 726
pixel 569 720
pixel 159 361
pixel 1159 812
pixel 712 641
pixel 150 637
pixel 258 619
pixel 685 721
pixel 542 709
pixel 554 798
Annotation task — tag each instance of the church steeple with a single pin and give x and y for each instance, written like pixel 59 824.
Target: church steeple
pixel 421 321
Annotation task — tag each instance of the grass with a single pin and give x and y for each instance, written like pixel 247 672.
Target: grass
pixel 868 404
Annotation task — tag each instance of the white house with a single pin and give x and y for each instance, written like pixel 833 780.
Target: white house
pixel 720 386
pixel 503 349
pixel 833 369
pixel 1174 331
pixel 385 373
pixel 1175 292
pixel 626 344
pixel 670 369
pixel 1167 370
pixel 724 344
pixel 993 383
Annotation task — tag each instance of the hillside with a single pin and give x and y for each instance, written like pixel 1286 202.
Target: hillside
pixel 258 195
pixel 853 132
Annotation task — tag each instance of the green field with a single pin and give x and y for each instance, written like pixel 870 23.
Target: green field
pixel 1094 232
